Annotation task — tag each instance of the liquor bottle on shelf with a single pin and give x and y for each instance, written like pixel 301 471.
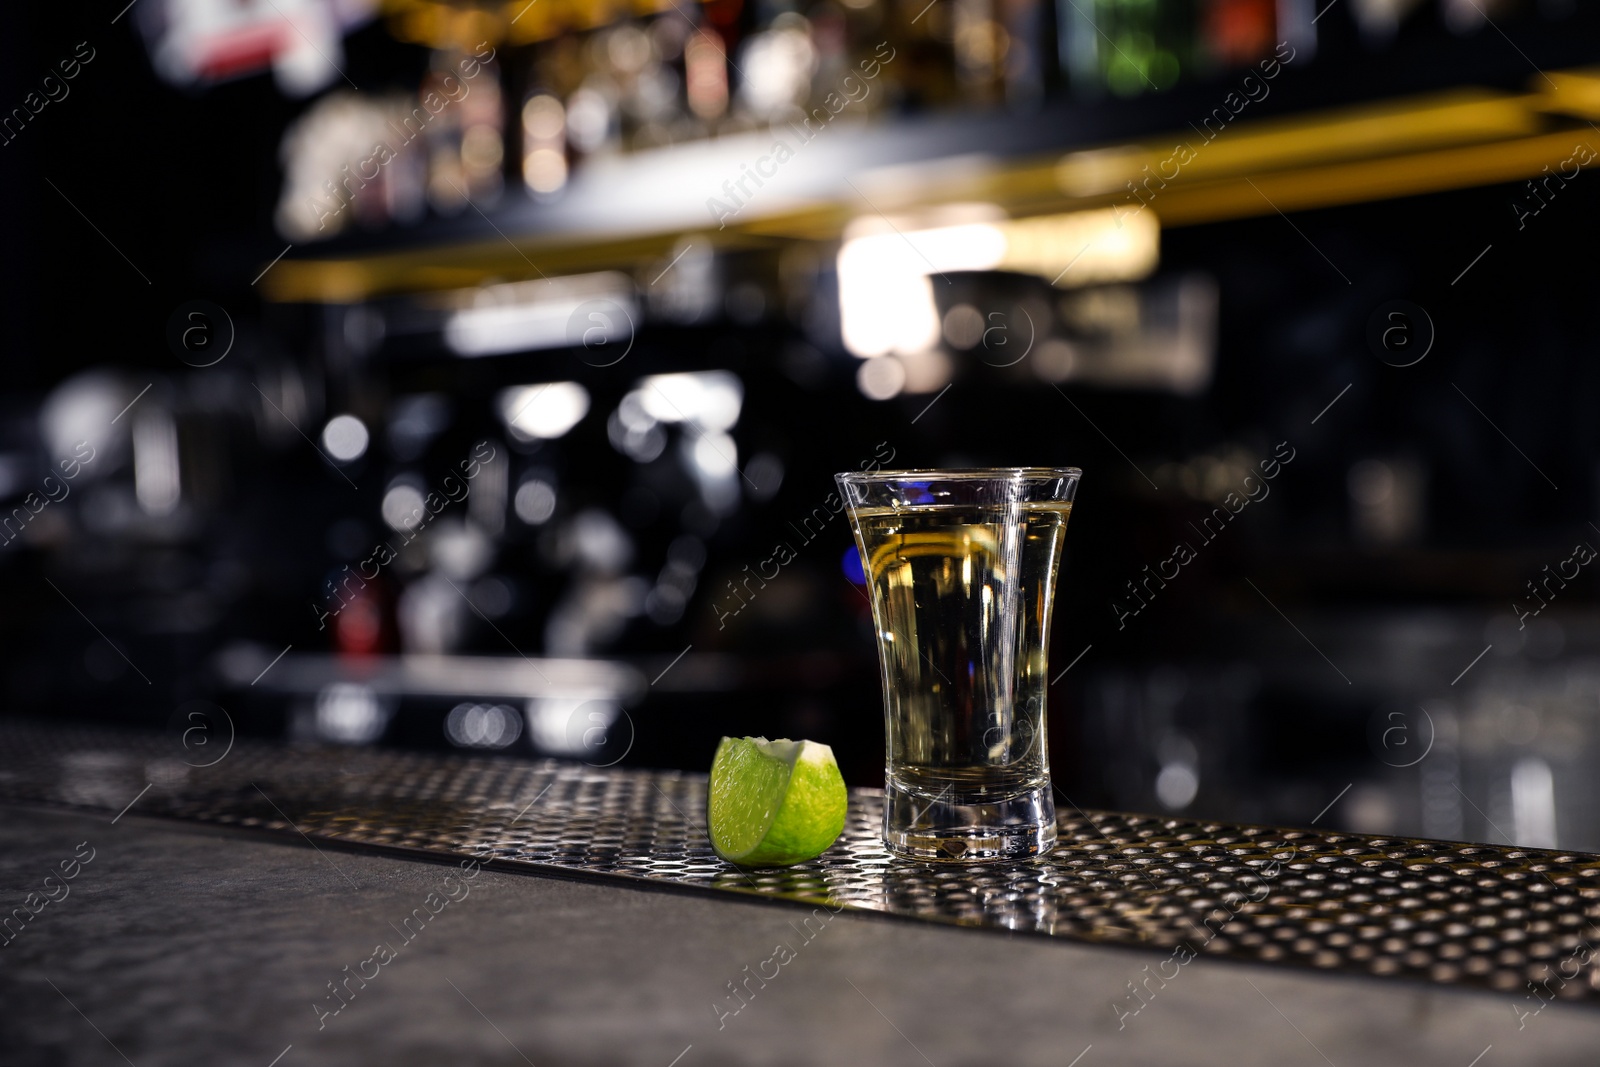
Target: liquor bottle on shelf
pixel 1030 49
pixel 657 104
pixel 981 44
pixel 1134 47
pixel 544 137
pixel 705 74
pixel 1128 47
pixel 779 66
pixel 448 190
pixel 483 122
pixel 923 72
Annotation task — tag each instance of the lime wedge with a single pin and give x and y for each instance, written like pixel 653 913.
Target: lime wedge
pixel 774 803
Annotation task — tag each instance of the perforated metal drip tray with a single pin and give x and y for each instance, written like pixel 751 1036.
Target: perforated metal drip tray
pixel 1440 912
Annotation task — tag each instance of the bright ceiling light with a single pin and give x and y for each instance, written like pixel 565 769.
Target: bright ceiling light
pixel 886 300
pixel 548 411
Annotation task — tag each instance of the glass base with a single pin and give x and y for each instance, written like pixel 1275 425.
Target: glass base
pixel 956 829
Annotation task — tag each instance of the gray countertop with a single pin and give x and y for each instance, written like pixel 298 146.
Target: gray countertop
pixel 178 944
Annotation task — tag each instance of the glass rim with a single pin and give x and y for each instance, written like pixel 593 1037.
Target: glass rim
pixel 962 474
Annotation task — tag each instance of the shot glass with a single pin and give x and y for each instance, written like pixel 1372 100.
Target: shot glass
pixel 961 566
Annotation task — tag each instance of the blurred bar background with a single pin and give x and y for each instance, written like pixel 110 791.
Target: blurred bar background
pixel 448 374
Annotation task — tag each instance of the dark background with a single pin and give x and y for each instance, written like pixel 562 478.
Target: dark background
pixel 1271 670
